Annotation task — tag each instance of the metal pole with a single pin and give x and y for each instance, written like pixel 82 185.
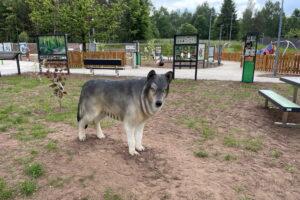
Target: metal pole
pixel 209 37
pixel 219 54
pixel 278 40
pixel 230 27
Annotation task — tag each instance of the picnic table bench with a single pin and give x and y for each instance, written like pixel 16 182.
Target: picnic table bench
pixel 92 64
pixel 283 103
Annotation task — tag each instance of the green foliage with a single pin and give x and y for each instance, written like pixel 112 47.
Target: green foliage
pixel 187 29
pixel 293 33
pixel 51 145
pixel 34 170
pixel 23 37
pixel 5 193
pixel 229 157
pixel 201 154
pixel 110 195
pixel 28 187
pixel 227 18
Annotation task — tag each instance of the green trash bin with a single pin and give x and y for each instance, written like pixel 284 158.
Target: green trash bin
pixel 138 59
pixel 248 72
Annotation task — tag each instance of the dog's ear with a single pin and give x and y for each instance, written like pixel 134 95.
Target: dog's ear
pixel 151 74
pixel 169 76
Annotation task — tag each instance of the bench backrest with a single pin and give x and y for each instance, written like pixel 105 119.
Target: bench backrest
pixel 116 62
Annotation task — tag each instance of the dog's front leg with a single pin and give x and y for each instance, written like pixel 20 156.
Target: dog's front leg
pixel 139 136
pixel 130 129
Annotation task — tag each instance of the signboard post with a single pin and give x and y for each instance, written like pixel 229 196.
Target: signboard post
pixel 211 52
pixel 250 48
pixel 131 48
pixel 185 52
pixel 201 53
pixel 53 48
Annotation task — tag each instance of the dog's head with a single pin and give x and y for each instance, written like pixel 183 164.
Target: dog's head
pixel 157 89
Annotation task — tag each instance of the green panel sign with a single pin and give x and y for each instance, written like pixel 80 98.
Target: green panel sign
pixel 248 72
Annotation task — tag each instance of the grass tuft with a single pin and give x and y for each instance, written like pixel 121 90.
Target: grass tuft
pixel 201 154
pixel 34 170
pixel 51 145
pixel 28 187
pixel 110 195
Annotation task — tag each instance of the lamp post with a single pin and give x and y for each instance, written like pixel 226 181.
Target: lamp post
pixel 278 41
pixel 220 38
pixel 209 37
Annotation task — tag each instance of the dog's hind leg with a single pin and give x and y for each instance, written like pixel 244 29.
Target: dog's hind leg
pixel 130 129
pixel 99 132
pixel 139 136
pixel 81 132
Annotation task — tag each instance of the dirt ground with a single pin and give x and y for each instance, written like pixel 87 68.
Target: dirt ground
pixel 222 122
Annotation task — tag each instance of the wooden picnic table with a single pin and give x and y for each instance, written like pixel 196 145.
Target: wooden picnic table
pixel 295 82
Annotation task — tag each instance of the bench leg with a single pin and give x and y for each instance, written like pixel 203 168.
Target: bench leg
pixel 266 103
pixel 117 71
pixel 285 117
pixel 295 94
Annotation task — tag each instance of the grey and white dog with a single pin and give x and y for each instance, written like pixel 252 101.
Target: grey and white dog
pixel 132 101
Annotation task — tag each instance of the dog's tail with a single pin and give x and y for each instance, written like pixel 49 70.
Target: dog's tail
pixel 79 114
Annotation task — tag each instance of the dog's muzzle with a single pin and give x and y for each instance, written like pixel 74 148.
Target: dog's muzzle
pixel 158 103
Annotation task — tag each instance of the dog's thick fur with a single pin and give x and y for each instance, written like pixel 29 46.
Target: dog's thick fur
pixel 132 101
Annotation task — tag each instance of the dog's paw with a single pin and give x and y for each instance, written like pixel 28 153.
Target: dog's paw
pixel 82 138
pixel 102 136
pixel 140 148
pixel 133 152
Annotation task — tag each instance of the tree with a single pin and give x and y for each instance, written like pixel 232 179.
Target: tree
pixel 162 21
pixel 227 17
pixel 293 33
pixel 267 20
pixel 201 25
pixel 201 19
pixel 247 22
pixel 23 37
pixel 136 20
pixel 187 29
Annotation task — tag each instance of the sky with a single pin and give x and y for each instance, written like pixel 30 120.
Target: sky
pixel 288 6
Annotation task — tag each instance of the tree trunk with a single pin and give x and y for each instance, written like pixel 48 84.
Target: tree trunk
pixel 83 42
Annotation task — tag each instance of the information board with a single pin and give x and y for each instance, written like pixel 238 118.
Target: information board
pixel 250 48
pixel 185 52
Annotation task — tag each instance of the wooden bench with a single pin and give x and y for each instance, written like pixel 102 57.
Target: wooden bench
pixel 281 102
pixel 98 63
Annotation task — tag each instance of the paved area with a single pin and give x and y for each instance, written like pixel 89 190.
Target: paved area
pixel 228 71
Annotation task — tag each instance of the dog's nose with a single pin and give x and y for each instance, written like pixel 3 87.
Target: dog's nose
pixel 158 103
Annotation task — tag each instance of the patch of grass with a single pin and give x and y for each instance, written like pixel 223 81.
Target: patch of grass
pixel 5 193
pixel 201 154
pixel 109 194
pixel 24 160
pixel 200 125
pixel 34 170
pixel 230 141
pixel 229 157
pixel 34 152
pixel 51 145
pixel 70 156
pixel 58 182
pixel 253 144
pixel 245 197
pixel 290 168
pixel 27 187
pixel 239 189
pixel 4 128
pixel 216 153
pixel 166 196
pixel 276 154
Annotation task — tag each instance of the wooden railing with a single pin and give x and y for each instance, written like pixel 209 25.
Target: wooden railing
pixel 76 58
pixel 289 63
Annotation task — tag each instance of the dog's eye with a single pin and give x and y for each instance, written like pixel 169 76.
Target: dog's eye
pixel 153 89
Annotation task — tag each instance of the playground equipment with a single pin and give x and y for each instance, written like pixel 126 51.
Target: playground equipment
pixel 271 48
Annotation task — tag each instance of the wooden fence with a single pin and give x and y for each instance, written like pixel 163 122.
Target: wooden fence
pixel 76 58
pixel 289 63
